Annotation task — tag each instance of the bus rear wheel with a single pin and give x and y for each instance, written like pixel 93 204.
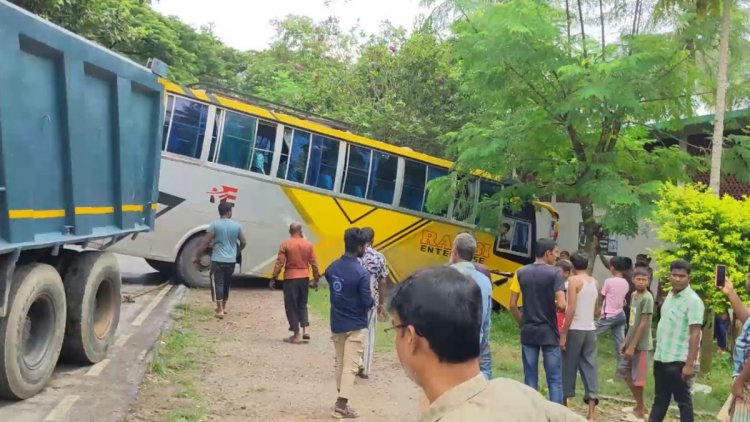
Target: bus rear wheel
pixel 195 275
pixel 32 332
pixel 92 288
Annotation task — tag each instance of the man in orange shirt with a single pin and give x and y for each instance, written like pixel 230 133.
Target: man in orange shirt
pixel 296 256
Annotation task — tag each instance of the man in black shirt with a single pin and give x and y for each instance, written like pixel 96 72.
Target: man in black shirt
pixel 542 287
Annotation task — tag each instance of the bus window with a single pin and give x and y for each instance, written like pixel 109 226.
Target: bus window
pixel 237 140
pixel 215 134
pixel 263 151
pixel 188 125
pixel 167 120
pixel 415 179
pixel 514 237
pixel 465 198
pixel 284 160
pixel 324 156
pixel 382 183
pixel 357 169
pixel 434 173
pixel 298 158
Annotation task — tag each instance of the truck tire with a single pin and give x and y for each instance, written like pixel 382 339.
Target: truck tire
pixel 32 332
pixel 194 275
pixel 92 288
pixel 162 267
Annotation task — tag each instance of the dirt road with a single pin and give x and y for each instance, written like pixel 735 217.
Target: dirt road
pixel 252 375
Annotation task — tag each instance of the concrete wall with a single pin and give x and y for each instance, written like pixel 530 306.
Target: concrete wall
pixel 570 217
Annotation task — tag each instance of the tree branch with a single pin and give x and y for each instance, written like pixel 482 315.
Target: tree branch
pixel 544 101
pixel 578 147
pixel 614 135
pixel 604 136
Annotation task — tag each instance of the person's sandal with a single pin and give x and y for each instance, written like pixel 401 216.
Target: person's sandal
pixel 306 337
pixel 361 374
pixel 345 413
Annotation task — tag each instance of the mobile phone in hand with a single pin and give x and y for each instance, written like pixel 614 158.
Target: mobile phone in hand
pixel 721 275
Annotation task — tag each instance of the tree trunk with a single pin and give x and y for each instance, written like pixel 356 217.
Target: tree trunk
pixel 601 21
pixel 707 344
pixel 567 23
pixel 635 17
pixel 721 101
pixel 591 229
pixel 583 28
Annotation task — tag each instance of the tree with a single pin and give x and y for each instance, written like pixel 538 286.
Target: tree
pixel 389 86
pixel 704 13
pixel 560 119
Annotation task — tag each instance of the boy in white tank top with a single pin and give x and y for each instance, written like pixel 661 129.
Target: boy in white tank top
pixel 578 335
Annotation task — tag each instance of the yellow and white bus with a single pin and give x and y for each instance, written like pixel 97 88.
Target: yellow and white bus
pixel 279 166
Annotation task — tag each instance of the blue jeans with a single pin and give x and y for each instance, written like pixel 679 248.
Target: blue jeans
pixel 552 359
pixel 485 358
pixel 616 325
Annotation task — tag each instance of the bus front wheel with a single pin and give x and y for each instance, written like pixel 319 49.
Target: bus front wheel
pixel 194 274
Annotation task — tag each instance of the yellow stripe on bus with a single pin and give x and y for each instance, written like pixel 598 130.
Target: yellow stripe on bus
pixel 200 94
pixel 132 208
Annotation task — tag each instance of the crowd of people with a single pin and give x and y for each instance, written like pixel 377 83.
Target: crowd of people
pixel 441 319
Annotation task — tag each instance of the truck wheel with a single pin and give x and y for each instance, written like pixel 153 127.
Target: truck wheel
pixel 164 268
pixel 92 287
pixel 194 275
pixel 32 332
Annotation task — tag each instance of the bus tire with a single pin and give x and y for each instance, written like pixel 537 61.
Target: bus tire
pixel 194 275
pixel 162 267
pixel 92 288
pixel 32 332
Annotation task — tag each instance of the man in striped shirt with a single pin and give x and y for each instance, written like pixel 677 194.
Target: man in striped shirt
pixel 374 263
pixel 677 340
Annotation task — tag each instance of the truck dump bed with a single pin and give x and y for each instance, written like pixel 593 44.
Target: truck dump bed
pixel 80 137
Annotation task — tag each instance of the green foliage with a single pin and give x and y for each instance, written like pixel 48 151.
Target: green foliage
pixel 393 87
pixel 697 226
pixel 388 86
pixel 562 120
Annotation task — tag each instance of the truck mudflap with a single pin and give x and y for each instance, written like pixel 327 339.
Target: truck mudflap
pixel 7 266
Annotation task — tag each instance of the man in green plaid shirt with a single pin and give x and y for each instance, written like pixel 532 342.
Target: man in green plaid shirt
pixel 677 341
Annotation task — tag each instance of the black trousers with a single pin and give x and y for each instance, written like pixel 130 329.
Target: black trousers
pixel 295 303
pixel 667 383
pixel 221 280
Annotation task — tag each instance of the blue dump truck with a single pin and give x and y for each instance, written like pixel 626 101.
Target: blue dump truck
pixel 80 138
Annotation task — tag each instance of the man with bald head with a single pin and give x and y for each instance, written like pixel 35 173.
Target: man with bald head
pixel 296 257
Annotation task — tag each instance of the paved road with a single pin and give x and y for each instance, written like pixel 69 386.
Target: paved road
pixel 103 392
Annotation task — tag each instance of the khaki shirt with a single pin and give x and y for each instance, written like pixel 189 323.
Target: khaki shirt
pixel 502 399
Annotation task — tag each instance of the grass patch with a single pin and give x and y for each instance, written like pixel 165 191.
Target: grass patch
pixel 506 360
pixel 181 355
pixel 320 304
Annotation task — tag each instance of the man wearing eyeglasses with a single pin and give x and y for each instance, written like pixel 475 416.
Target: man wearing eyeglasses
pixel 351 300
pixel 436 316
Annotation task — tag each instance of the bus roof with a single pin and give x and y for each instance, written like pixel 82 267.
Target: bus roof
pixel 224 100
